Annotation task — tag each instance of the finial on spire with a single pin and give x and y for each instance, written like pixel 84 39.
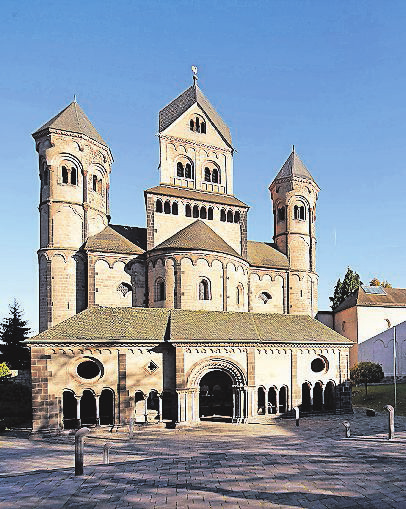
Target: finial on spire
pixel 194 70
pixel 74 98
pixel 293 148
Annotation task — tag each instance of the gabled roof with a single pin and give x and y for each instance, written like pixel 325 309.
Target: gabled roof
pixel 104 324
pixel 118 239
pixel 72 119
pixel 262 254
pixel 294 167
pixel 197 236
pixel 183 102
pixel 181 192
pixel 393 297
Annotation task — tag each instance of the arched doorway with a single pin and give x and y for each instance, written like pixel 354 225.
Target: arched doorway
pixel 272 401
pixel 88 408
pixel 261 401
pixel 318 397
pixel 106 408
pixel 283 399
pixel 330 397
pixel 306 399
pixel 216 395
pixel 139 406
pixel 69 409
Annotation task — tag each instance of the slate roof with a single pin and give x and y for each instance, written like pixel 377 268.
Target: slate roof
pixel 118 239
pixel 181 192
pixel 152 324
pixel 183 102
pixel 294 167
pixel 262 254
pixel 197 236
pixel 394 297
pixel 72 119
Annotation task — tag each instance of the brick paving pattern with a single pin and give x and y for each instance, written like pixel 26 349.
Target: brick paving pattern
pixel 214 466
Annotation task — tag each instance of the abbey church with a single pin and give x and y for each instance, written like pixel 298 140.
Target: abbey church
pixel 184 318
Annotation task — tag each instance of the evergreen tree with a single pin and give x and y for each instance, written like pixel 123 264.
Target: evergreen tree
pixel 342 290
pixel 13 331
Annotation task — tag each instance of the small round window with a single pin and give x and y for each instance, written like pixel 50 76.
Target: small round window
pixel 318 365
pixel 88 369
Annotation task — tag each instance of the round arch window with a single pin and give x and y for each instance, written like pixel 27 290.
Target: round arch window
pixel 319 364
pixel 88 369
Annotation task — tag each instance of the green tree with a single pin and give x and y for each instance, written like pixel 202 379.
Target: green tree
pixel 4 371
pixel 365 373
pixel 342 290
pixel 13 331
pixel 375 282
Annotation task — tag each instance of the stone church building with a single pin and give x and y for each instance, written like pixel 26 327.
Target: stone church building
pixel 184 319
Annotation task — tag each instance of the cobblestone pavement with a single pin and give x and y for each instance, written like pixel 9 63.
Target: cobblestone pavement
pixel 214 466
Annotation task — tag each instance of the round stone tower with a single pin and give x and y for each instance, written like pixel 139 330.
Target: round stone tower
pixel 74 170
pixel 294 194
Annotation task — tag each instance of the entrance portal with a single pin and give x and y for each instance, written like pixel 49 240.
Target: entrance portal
pixel 216 396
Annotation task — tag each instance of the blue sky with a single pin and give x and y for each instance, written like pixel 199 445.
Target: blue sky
pixel 328 77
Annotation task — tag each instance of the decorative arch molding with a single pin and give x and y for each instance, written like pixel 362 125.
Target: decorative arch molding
pixel 298 198
pixel 199 369
pixel 99 167
pixel 66 156
pixel 55 255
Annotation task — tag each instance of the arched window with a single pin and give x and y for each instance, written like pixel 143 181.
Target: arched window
pixel 180 172
pixel 94 183
pixel 229 217
pixel 240 295
pixel 203 213
pixel 207 174
pixel 192 124
pixel 203 127
pixel 215 176
pixel 73 176
pixel 223 215
pixel 197 124
pixel 188 210
pixel 204 289
pixel 302 213
pixel 196 211
pixel 265 297
pixel 210 213
pixel 281 214
pixel 158 206
pixel 188 171
pixel 174 208
pixel 299 212
pixel 159 289
pixel 236 217
pixel 167 207
pixel 65 177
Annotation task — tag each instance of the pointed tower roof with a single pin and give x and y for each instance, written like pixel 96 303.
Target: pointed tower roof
pixel 72 119
pixel 198 236
pixel 182 103
pixel 294 167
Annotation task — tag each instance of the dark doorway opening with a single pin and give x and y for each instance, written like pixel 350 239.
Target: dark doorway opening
pixel 88 408
pixel 329 397
pixel 69 406
pixel 306 400
pixel 283 400
pixel 216 396
pixel 318 397
pixel 272 401
pixel 106 407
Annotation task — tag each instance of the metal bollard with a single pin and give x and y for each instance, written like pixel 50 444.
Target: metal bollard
pixel 347 426
pixel 79 437
pixel 391 414
pixel 131 429
pixel 106 453
pixel 296 409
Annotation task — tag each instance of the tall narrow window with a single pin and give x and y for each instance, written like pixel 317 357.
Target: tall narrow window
pixel 94 183
pixel 229 217
pixel 204 289
pixel 192 125
pixel 65 177
pixel 223 215
pixel 167 207
pixel 73 176
pixel 207 174
pixel 203 213
pixel 174 208
pixel 240 295
pixel 188 171
pixel 158 206
pixel 237 217
pixel 281 213
pixel 203 128
pixel 180 172
pixel 188 210
pixel 197 125
pixel 159 289
pixel 210 213
pixel 195 211
pixel 215 176
pixel 302 214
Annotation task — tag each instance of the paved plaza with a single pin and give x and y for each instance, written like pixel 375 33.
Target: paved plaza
pixel 212 466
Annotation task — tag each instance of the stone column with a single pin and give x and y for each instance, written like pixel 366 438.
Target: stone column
pixel 146 409
pixel 79 423
pixel 277 401
pixel 97 398
pixel 234 405
pixel 160 408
